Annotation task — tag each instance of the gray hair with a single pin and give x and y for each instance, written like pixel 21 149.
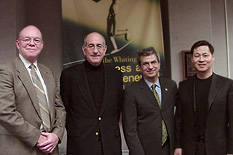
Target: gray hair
pixel 146 52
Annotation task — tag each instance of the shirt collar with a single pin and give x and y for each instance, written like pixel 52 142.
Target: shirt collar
pixel 150 84
pixel 27 63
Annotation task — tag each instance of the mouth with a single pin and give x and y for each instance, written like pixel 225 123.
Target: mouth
pixel 95 56
pixel 31 49
pixel 201 65
pixel 150 71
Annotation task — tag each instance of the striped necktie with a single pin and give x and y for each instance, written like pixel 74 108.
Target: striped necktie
pixel 44 110
pixel 164 131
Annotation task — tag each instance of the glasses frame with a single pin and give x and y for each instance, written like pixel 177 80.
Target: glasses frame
pixel 28 40
pixel 91 47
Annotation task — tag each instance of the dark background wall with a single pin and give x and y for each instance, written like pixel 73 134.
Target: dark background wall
pixel 46 15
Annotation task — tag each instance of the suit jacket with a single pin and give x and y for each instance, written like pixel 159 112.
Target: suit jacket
pixel 142 117
pixel 219 123
pixel 84 124
pixel 20 118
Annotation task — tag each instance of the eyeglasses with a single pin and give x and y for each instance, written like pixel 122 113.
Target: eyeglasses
pixel 147 64
pixel 91 47
pixel 28 40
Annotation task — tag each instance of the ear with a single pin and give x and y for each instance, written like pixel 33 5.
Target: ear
pixel 105 49
pixel 84 50
pixel 140 68
pixel 17 43
pixel 42 45
pixel 213 57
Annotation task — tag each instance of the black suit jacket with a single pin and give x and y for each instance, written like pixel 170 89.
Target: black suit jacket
pixel 142 117
pixel 84 124
pixel 219 124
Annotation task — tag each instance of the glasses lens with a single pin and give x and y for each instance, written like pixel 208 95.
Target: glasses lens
pixel 28 40
pixel 92 46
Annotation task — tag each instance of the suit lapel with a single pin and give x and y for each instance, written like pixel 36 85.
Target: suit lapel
pixel 48 81
pixel 213 91
pixel 107 88
pixel 81 80
pixel 164 92
pixel 26 81
pixel 191 92
pixel 148 92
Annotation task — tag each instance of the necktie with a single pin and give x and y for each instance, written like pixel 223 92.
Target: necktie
pixel 44 111
pixel 164 131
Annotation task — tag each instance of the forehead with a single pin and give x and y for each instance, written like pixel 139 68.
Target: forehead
pixel 202 49
pixel 30 32
pixel 94 38
pixel 149 58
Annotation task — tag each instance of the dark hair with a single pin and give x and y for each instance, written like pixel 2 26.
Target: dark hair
pixel 202 43
pixel 146 52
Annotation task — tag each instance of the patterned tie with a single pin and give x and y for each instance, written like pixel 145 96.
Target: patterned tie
pixel 164 131
pixel 44 111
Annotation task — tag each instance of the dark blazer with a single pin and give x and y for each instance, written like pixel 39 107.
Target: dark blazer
pixel 84 124
pixel 219 123
pixel 20 118
pixel 142 117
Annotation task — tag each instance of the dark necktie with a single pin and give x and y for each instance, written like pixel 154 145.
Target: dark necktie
pixel 44 110
pixel 164 131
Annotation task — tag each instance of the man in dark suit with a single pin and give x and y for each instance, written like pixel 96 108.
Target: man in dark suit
pixel 148 109
pixel 26 128
pixel 92 94
pixel 204 115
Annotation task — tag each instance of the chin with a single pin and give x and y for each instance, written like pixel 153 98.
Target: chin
pixel 95 62
pixel 151 76
pixel 202 70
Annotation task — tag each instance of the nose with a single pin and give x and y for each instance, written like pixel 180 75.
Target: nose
pixel 95 50
pixel 201 58
pixel 31 43
pixel 150 65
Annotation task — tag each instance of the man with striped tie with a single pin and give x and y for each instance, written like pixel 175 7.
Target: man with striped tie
pixel 148 109
pixel 32 115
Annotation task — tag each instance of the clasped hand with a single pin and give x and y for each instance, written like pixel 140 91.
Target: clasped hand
pixel 47 142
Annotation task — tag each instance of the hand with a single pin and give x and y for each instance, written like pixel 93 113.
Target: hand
pixel 47 142
pixel 41 139
pixel 178 151
pixel 229 154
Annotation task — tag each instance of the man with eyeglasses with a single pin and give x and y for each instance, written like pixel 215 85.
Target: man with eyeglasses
pixel 204 109
pixel 32 115
pixel 148 109
pixel 92 93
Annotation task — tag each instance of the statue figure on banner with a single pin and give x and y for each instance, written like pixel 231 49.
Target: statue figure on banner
pixel 112 27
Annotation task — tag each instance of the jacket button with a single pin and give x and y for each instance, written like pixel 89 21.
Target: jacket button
pixel 99 118
pixel 96 133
